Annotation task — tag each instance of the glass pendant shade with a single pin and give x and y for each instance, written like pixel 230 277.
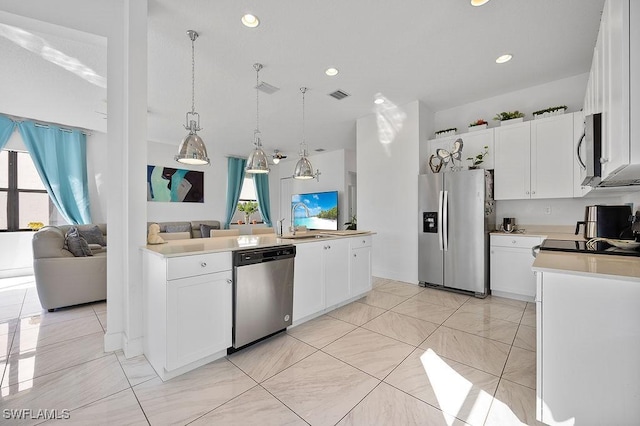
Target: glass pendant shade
pixel 192 151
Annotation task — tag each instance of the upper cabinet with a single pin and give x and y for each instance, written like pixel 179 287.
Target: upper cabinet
pixel 473 144
pixel 610 91
pixel 534 159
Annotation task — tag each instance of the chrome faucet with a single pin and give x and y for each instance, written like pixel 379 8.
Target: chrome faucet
pixel 292 228
pixel 279 227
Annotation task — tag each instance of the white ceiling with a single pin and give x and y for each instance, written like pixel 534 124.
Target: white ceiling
pixel 441 52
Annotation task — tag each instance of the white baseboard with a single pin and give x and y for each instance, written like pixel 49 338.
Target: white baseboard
pixel 132 347
pixel 112 341
pixel 17 272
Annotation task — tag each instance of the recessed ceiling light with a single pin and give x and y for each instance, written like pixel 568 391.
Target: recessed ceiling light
pixel 504 58
pixel 378 101
pixel 478 2
pixel 331 72
pixel 250 20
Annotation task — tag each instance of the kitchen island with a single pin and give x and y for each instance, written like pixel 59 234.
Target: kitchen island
pixel 588 338
pixel 187 290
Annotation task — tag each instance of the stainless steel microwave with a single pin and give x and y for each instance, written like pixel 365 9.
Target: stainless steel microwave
pixel 592 140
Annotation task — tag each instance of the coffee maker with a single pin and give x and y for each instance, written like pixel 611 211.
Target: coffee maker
pixel 602 221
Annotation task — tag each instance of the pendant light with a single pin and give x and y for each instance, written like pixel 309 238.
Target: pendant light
pixel 192 149
pixel 304 169
pixel 257 161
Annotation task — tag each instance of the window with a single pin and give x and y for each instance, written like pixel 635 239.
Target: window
pixel 23 197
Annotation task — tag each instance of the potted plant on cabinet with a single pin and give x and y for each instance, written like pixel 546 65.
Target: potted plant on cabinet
pixel 509 117
pixel 352 225
pixel 478 125
pixel 248 208
pixel 548 112
pixel 478 159
pixel 445 132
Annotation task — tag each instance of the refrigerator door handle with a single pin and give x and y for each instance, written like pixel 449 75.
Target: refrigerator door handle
pixel 445 213
pixel 440 241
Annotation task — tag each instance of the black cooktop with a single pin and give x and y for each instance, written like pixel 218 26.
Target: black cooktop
pixel 600 247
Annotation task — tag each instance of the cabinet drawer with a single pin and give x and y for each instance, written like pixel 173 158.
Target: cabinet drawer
pixel 517 241
pixel 200 264
pixel 361 241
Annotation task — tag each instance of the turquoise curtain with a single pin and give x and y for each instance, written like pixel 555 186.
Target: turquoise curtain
pixel 6 129
pixel 60 157
pixel 261 181
pixel 235 177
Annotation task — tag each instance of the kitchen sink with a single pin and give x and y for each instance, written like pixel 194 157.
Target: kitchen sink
pixel 305 235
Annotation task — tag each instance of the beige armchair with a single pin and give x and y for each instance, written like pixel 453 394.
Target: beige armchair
pixel 225 232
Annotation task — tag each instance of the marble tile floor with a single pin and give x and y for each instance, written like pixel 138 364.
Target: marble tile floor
pixel 401 355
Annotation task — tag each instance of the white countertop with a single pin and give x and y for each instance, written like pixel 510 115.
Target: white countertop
pixel 552 232
pixel 174 248
pixel 618 267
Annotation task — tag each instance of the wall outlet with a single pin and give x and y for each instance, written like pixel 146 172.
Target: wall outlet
pixel 547 210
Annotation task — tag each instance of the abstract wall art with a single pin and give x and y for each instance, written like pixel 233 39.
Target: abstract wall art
pixel 174 185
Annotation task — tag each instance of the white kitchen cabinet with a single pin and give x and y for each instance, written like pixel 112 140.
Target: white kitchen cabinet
pixel 588 347
pixel 308 280
pixel 473 144
pixel 360 265
pixel 328 275
pixel 610 90
pixel 512 175
pixel 187 310
pixel 335 265
pixel 510 260
pixel 552 157
pixel 198 317
pixel 535 159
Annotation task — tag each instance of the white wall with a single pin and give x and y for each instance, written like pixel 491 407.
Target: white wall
pixel 567 91
pixel 215 188
pixel 387 191
pixel 97 173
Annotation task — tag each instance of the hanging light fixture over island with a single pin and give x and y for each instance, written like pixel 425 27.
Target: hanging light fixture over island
pixel 257 161
pixel 304 169
pixel 192 150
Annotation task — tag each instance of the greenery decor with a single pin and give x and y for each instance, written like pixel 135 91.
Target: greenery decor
pixel 248 208
pixel 479 122
pixel 352 225
pixel 453 129
pixel 478 159
pixel 550 109
pixel 501 116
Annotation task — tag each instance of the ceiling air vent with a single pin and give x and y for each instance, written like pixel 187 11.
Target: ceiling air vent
pixel 320 150
pixel 267 88
pixel 339 94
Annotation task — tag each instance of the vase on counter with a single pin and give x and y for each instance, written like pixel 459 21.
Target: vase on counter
pixel 247 216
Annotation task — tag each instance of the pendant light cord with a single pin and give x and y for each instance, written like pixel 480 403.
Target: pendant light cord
pixel 193 76
pixel 257 67
pixel 303 144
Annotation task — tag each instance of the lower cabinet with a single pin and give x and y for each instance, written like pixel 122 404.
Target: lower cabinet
pixel 308 282
pixel 329 273
pixel 588 347
pixel 198 317
pixel 187 310
pixel 360 267
pixel 511 259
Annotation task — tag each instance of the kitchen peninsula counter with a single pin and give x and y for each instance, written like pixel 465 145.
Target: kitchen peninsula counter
pixel 596 265
pixel 195 246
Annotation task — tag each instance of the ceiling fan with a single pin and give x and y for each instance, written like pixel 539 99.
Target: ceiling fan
pixel 277 156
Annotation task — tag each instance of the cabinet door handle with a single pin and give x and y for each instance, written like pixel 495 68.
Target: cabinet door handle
pixel 533 192
pixel 203 264
pixel 364 242
pixel 527 192
pixel 355 255
pixel 229 281
pixel 329 247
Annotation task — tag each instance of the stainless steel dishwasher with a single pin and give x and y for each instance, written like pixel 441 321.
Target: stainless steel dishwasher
pixel 262 293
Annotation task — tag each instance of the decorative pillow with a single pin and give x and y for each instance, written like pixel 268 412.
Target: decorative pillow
pixel 77 245
pixel 186 227
pixel 93 235
pixel 205 230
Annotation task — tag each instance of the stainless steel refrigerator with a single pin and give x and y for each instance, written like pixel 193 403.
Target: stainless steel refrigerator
pixel 456 216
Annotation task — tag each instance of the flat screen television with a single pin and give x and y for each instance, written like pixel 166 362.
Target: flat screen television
pixel 316 210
